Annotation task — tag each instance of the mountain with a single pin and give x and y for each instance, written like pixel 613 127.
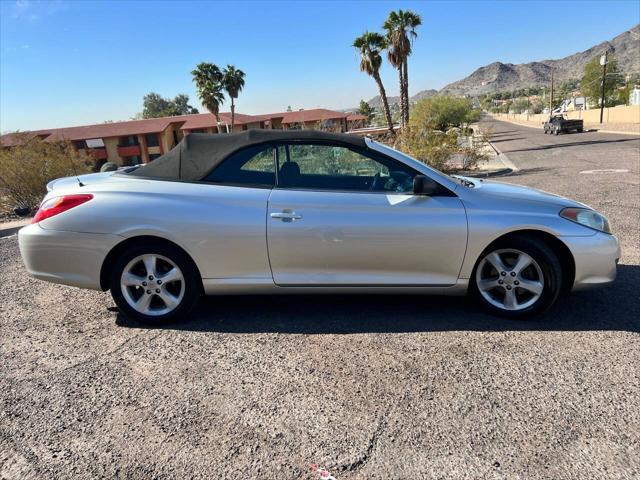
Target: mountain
pixel 376 102
pixel 499 76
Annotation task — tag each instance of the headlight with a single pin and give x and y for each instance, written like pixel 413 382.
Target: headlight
pixel 588 218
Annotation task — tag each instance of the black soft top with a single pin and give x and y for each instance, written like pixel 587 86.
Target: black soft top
pixel 199 153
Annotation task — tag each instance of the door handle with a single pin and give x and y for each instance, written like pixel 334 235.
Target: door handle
pixel 286 216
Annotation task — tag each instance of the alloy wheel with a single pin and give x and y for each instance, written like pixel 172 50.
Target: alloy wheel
pixel 152 284
pixel 510 279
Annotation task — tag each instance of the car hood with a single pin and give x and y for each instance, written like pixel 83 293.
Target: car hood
pixel 517 192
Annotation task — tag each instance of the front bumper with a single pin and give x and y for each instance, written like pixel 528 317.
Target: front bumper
pixel 69 258
pixel 596 259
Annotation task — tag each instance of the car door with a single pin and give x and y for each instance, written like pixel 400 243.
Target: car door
pixel 344 217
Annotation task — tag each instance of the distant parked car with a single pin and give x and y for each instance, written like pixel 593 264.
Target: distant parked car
pixel 271 212
pixel 558 124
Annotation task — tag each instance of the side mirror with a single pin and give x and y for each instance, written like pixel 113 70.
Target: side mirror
pixel 424 185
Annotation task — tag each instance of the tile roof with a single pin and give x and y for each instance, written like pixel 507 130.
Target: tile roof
pixel 187 122
pixel 312 115
pixel 207 120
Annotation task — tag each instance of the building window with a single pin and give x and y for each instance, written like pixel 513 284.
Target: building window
pixel 128 141
pixel 79 144
pixel 153 156
pixel 152 139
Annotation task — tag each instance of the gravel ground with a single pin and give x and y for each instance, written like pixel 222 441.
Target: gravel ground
pixel 370 387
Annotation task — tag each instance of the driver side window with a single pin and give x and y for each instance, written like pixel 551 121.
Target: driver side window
pixel 330 167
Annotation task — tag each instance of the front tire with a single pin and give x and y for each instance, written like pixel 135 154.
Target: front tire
pixel 155 284
pixel 517 278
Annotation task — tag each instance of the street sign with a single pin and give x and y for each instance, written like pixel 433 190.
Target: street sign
pixel 603 59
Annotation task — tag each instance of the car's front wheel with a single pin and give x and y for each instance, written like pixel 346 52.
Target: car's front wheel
pixel 155 284
pixel 517 278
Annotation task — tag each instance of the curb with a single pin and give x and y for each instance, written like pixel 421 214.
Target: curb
pixel 505 160
pixel 7 232
pixel 508 164
pixel 636 134
pixel 488 173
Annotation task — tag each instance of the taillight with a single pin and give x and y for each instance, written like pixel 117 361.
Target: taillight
pixel 57 205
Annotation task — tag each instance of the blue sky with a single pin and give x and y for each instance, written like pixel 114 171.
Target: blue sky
pixel 66 63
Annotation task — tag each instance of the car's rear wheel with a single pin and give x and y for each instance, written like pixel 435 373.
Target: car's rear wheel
pixel 517 278
pixel 155 284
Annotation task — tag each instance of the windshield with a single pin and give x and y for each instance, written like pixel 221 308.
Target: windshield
pixel 452 181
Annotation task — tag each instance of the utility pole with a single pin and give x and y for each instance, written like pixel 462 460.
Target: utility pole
pixel 551 96
pixel 603 62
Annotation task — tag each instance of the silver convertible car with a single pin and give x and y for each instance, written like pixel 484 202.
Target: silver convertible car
pixel 265 212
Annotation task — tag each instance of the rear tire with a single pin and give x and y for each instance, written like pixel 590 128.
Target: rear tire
pixel 530 271
pixel 155 284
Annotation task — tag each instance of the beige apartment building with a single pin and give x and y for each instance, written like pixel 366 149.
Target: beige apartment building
pixel 142 141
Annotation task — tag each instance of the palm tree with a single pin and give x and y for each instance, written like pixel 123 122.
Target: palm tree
pixel 208 80
pixel 370 44
pixel 401 30
pixel 233 81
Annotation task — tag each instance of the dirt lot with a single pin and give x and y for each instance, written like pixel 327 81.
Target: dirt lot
pixel 370 387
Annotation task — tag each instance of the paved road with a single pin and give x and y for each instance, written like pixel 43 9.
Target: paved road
pixel 554 163
pixel 371 387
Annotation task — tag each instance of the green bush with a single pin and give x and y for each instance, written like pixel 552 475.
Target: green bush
pixel 440 113
pixel 26 169
pixel 434 148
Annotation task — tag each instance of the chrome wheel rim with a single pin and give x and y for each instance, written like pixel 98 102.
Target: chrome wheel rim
pixel 509 279
pixel 152 284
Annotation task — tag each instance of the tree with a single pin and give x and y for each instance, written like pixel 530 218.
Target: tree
pixel 233 81
pixel 370 45
pixel 366 110
pixel 401 30
pixel 181 105
pixel 591 84
pixel 208 80
pixel 155 106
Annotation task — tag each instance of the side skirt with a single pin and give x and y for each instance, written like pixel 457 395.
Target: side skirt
pixel 259 286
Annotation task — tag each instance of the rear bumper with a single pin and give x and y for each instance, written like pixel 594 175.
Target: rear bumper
pixel 596 259
pixel 69 258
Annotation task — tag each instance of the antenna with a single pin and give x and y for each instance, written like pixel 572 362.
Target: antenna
pixel 75 173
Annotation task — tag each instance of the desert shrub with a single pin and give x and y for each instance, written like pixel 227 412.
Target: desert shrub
pixel 438 149
pixel 26 168
pixel 440 113
pixel 434 148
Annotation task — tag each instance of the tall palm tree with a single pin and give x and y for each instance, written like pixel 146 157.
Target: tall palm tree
pixel 233 81
pixel 401 30
pixel 208 80
pixel 370 45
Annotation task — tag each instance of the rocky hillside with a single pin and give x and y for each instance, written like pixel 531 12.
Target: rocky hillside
pixel 499 76
pixel 376 102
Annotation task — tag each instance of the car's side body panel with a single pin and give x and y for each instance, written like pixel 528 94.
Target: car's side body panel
pixel 356 238
pixel 222 228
